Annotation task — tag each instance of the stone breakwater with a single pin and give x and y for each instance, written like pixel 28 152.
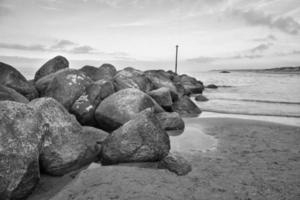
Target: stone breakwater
pixel 65 119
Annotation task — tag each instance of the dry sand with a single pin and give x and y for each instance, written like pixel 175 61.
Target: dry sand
pixel 246 160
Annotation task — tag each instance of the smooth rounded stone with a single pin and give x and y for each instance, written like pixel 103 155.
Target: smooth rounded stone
pixel 191 85
pixel 51 66
pixel 170 121
pixel 93 72
pixel 163 97
pixel 141 139
pixel 64 148
pixel 186 107
pixel 84 107
pixel 21 136
pixel 201 97
pixel 107 71
pixel 66 86
pixel 120 182
pixel 122 106
pixel 10 94
pixel 211 86
pixel 12 78
pixel 132 78
pixel 175 163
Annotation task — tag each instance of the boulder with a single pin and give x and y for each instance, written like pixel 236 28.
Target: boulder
pixel 84 107
pixel 191 85
pixel 66 86
pixel 55 64
pixel 163 97
pixel 92 72
pixel 12 78
pixel 21 136
pixel 201 97
pixel 107 71
pixel 141 139
pixel 186 107
pixel 65 147
pixel 122 106
pixel 211 86
pixel 175 163
pixel 10 94
pixel 170 121
pixel 132 78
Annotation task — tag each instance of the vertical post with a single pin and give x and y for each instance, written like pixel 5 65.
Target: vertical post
pixel 176 59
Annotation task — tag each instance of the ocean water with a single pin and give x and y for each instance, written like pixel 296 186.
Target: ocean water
pixel 270 96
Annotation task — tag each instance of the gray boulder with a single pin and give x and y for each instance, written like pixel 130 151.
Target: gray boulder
pixel 191 85
pixel 12 78
pixel 170 121
pixel 10 94
pixel 21 136
pixel 201 97
pixel 163 97
pixel 141 139
pixel 186 107
pixel 212 86
pixel 107 71
pixel 122 106
pixel 92 72
pixel 55 64
pixel 175 163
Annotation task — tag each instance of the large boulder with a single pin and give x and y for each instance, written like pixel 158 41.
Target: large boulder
pixel 122 106
pixel 191 85
pixel 139 140
pixel 55 64
pixel 175 163
pixel 163 97
pixel 201 97
pixel 64 148
pixel 84 107
pixel 10 94
pixel 66 86
pixel 107 71
pixel 12 78
pixel 21 136
pixel 170 121
pixel 93 72
pixel 186 107
pixel 212 86
pixel 132 78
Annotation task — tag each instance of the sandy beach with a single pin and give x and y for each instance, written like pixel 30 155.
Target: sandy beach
pixel 242 159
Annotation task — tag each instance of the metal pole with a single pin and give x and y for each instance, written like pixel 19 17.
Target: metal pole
pixel 176 59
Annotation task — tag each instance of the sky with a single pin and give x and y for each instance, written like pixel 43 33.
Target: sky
pixel 211 34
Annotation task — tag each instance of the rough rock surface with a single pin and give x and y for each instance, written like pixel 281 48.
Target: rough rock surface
pixel 186 107
pixel 21 135
pixel 10 94
pixel 64 148
pixel 211 86
pixel 201 97
pixel 170 121
pixel 12 78
pixel 163 97
pixel 122 106
pixel 107 71
pixel 141 139
pixel 55 64
pixel 175 163
pixel 191 85
pixel 66 86
pixel 92 72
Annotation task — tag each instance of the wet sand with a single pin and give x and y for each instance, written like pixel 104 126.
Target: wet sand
pixel 231 159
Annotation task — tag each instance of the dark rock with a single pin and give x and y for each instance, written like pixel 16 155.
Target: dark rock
pixel 191 85
pixel 10 94
pixel 21 136
pixel 122 106
pixel 66 86
pixel 175 163
pixel 84 107
pixel 55 64
pixel 141 139
pixel 186 107
pixel 132 78
pixel 64 148
pixel 211 86
pixel 163 97
pixel 224 72
pixel 201 97
pixel 107 71
pixel 12 78
pixel 170 121
pixel 92 72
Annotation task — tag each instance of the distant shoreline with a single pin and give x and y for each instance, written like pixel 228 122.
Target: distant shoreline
pixel 281 70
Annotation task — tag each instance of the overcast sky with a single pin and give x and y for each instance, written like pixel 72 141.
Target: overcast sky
pixel 211 34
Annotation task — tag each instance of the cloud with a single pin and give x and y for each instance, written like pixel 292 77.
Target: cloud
pixel 268 38
pixel 61 44
pixel 36 47
pixel 83 50
pixel 254 17
pixel 261 48
pixel 203 59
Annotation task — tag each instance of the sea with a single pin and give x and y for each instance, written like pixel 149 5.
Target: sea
pixel 257 95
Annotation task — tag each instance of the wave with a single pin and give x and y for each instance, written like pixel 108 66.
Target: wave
pixel 259 101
